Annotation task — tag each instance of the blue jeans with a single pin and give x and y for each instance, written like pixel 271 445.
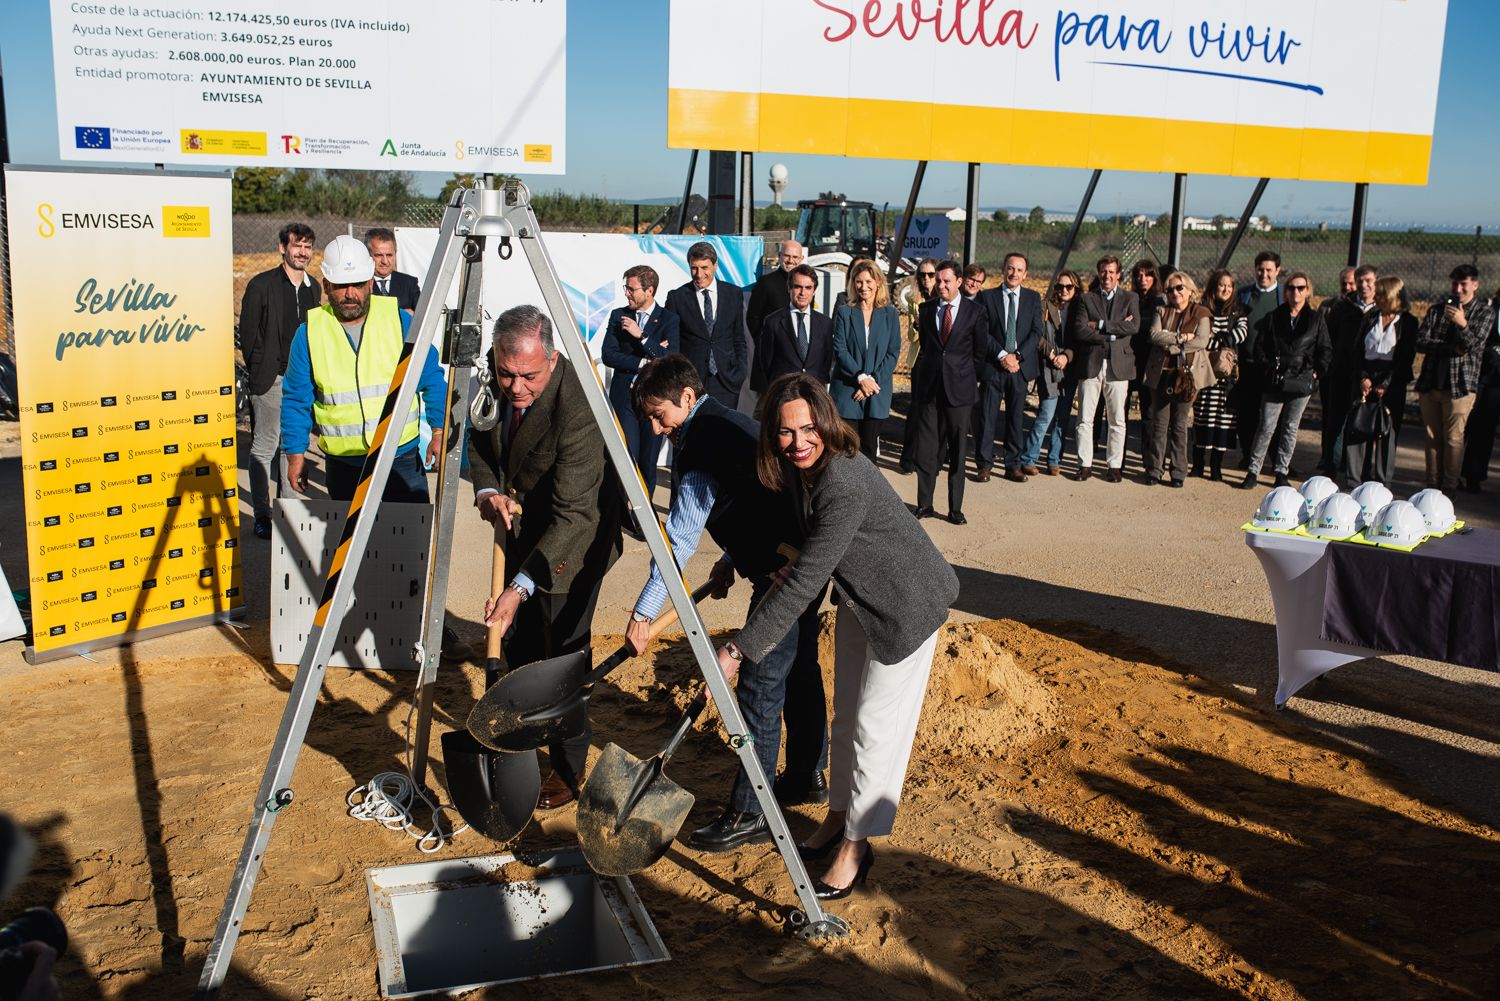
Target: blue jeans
pixel 1050 425
pixel 788 681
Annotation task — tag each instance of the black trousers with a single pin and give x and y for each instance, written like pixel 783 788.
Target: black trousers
pixel 407 483
pixel 719 388
pixel 1479 433
pixel 550 625
pixel 643 445
pixel 1244 399
pixel 1006 389
pixel 869 435
pixel 941 434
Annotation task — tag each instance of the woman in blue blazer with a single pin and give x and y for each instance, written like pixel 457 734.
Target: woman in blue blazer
pixel 866 345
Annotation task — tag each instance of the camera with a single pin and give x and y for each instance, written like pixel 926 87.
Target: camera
pixel 36 924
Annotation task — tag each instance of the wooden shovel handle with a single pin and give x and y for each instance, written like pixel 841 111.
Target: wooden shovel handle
pixel 497 584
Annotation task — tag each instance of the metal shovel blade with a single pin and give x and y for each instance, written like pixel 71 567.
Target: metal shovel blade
pixel 620 839
pixel 496 794
pixel 535 705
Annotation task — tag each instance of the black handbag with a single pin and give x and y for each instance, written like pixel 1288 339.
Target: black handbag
pixel 1367 421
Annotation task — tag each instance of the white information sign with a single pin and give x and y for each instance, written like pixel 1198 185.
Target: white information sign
pixel 467 85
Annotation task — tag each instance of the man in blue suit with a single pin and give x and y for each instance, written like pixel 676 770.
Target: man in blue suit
pixel 637 332
pixel 1014 329
pixel 795 338
pixel 711 320
pixel 404 288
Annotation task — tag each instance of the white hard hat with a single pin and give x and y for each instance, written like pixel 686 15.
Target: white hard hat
pixel 1336 517
pixel 1372 497
pixel 1399 523
pixel 1315 489
pixel 347 262
pixel 1436 509
pixel 1282 509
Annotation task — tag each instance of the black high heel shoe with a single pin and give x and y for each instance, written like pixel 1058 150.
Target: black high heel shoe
pixel 825 892
pixel 811 854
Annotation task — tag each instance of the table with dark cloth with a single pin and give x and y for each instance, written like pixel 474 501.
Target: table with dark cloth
pixel 1438 601
pixel 1338 602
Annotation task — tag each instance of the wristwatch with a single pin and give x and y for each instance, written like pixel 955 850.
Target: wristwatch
pixel 521 592
pixel 638 617
pixel 733 651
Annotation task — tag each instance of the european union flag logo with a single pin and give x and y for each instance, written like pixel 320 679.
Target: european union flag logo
pixel 90 137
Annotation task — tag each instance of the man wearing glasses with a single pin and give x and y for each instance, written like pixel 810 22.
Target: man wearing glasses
pixel 637 332
pixel 1104 321
pixel 1450 341
pixel 768 296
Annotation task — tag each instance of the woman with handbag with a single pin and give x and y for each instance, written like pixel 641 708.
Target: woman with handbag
pixel 1388 346
pixel 1145 282
pixel 1213 417
pixel 1054 388
pixel 1176 370
pixel 866 347
pixel 893 590
pixel 1292 353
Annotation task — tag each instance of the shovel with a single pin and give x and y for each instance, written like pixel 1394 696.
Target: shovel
pixel 546 701
pixel 496 794
pixel 629 812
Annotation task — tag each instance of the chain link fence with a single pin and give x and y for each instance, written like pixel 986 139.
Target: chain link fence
pixel 1422 257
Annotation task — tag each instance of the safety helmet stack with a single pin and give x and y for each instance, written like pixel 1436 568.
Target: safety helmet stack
pixel 1335 517
pixel 1398 524
pixel 1283 509
pixel 1314 489
pixel 1436 510
pixel 1372 497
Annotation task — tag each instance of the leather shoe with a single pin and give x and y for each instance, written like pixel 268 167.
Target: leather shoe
pixel 1114 476
pixel 731 830
pixel 925 512
pixel 1084 474
pixel 790 792
pixel 810 853
pixel 262 528
pixel 825 892
pixel 1030 470
pixel 1179 484
pixel 983 476
pixel 957 518
pixel 1281 481
pixel 1250 482
pixel 1051 470
pixel 555 793
pixel 1016 476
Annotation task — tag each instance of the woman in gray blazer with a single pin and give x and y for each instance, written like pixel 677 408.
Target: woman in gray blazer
pixel 892 593
pixel 866 346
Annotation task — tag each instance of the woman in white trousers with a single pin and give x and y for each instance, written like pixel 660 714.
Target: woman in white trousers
pixel 892 591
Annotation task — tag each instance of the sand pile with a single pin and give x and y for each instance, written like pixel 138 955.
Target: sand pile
pixel 1079 822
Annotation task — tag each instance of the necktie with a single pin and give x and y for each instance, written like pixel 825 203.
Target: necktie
pixel 801 335
pixel 947 322
pixel 640 321
pixel 385 286
pixel 516 416
pixel 1010 321
pixel 708 321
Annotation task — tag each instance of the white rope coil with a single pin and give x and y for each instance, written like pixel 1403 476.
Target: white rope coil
pixel 387 799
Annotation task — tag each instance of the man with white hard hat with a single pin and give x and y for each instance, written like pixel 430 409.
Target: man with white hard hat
pixel 338 375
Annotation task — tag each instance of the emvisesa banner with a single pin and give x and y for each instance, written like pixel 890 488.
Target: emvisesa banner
pixel 125 356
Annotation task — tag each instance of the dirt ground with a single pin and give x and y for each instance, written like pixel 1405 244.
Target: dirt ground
pixel 1101 803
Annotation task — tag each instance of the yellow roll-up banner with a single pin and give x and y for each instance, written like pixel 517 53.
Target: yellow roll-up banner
pixel 124 313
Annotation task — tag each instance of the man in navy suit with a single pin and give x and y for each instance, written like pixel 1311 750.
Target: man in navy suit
pixel 381 243
pixel 953 337
pixel 637 332
pixel 1013 330
pixel 769 295
pixel 795 338
pixel 711 321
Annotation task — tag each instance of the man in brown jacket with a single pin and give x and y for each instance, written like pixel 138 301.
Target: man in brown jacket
pixel 542 472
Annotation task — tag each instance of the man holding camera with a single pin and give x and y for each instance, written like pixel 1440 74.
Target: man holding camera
pixel 1451 341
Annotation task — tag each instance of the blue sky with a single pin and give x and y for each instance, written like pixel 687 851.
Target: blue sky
pixel 617 134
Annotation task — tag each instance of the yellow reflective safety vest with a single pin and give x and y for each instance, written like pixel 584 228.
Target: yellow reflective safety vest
pixel 349 388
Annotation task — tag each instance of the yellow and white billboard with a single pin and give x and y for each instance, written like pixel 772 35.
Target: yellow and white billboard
pixel 124 339
pixel 1329 90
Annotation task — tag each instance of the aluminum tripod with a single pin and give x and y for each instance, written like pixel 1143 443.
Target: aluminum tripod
pixel 473 217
